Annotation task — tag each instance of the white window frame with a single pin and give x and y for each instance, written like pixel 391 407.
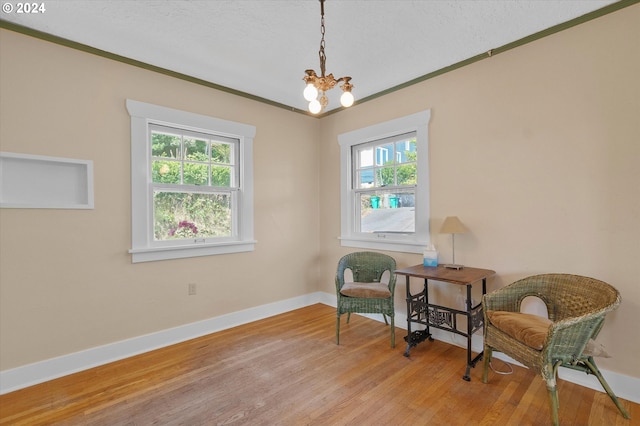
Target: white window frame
pixel 408 243
pixel 143 247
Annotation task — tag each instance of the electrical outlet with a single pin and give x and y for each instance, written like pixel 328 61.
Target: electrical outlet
pixel 192 289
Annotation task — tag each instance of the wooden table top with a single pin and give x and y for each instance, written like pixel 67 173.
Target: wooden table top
pixel 463 276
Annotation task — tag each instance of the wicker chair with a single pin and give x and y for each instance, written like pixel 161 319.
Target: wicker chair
pixel 366 294
pixel 576 307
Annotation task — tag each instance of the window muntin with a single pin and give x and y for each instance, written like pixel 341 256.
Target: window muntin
pixel 386 166
pixel 395 162
pixel 186 158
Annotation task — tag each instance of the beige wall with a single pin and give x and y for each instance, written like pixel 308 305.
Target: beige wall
pixel 67 281
pixel 537 151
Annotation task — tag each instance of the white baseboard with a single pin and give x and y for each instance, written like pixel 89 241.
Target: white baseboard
pixel 625 387
pixel 39 372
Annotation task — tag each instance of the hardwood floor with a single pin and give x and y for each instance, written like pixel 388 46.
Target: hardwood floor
pixel 287 370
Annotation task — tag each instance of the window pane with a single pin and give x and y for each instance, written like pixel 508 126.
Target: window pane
pixel 385 176
pixel 406 151
pixel 365 157
pixel 407 174
pixel 365 178
pixel 221 176
pixel 196 149
pixel 165 145
pixel 180 215
pixel 196 174
pixel 384 154
pixel 165 171
pixel 221 152
pixel 389 212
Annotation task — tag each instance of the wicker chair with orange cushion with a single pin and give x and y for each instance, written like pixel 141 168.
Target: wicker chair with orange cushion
pixel 576 307
pixel 365 283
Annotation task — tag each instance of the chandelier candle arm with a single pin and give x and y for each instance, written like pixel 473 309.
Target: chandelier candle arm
pixel 316 85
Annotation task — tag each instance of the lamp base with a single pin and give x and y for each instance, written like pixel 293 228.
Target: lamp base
pixel 453 266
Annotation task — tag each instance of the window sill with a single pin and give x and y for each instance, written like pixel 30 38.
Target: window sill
pixel 384 244
pixel 181 252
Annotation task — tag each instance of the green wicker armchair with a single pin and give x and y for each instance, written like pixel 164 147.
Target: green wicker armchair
pixel 368 293
pixel 576 307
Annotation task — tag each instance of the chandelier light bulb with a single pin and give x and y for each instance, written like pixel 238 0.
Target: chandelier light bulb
pixel 346 99
pixel 324 82
pixel 310 92
pixel 314 106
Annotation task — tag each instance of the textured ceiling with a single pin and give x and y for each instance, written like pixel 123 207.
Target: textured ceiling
pixel 262 47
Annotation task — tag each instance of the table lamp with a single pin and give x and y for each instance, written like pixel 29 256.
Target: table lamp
pixel 453 226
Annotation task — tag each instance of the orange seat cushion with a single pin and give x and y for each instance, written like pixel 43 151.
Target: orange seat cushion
pixel 526 328
pixel 366 290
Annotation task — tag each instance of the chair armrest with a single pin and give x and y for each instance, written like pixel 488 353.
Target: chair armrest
pixel 503 299
pixel 392 282
pixel 568 338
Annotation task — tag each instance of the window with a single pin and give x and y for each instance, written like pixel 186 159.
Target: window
pixel 385 185
pixel 385 191
pixel 191 184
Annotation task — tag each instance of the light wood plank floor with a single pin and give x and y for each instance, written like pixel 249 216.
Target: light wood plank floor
pixel 287 370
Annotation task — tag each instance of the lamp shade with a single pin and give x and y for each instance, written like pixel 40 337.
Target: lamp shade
pixel 452 225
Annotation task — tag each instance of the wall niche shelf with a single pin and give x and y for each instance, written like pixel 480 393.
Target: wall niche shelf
pixel 40 182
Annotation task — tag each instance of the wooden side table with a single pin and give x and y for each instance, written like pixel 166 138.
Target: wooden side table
pixel 420 311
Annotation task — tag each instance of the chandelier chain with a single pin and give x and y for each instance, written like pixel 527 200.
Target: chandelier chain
pixel 323 57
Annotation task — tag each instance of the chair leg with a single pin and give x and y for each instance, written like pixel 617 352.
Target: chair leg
pixel 338 329
pixel 589 362
pixel 551 374
pixel 348 317
pixel 393 331
pixel 488 352
pixel 553 401
pixel 385 319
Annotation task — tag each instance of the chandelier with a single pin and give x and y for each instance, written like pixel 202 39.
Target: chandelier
pixel 321 84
